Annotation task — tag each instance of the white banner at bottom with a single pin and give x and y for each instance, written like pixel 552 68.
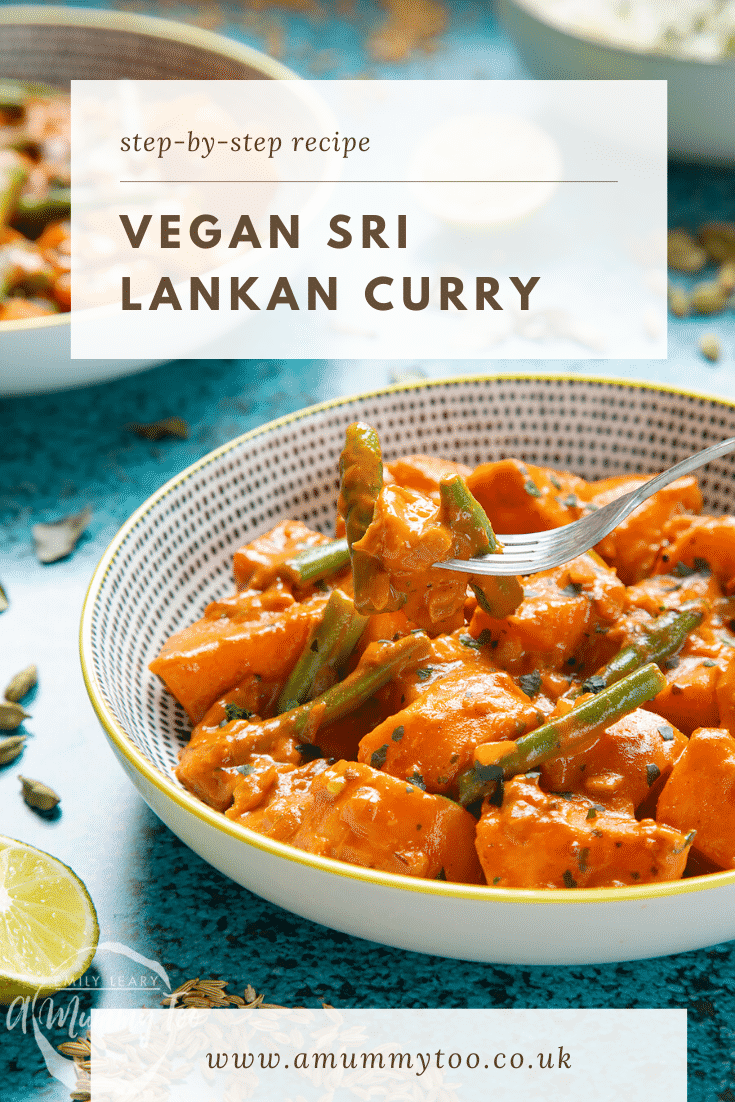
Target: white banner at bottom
pixel 333 1055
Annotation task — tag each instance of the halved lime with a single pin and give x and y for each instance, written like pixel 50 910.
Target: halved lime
pixel 48 924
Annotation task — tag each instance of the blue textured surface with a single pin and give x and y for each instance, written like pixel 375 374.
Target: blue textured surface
pixel 62 451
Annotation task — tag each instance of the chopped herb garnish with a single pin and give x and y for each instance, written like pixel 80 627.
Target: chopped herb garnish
pixel 666 733
pixel 496 879
pixel 683 571
pixel 594 684
pixel 652 773
pixel 702 566
pixel 531 488
pixel 569 881
pixel 416 779
pixel 377 758
pixel 573 589
pixel 583 858
pixel 530 682
pixel 555 482
pixel 310 752
pixel 600 630
pixel 397 734
pixel 591 814
pixel 672 662
pixel 246 770
pixel 441 875
pixel 571 501
pixel 635 875
pixel 564 795
pixel 485 638
pixel 709 663
pixel 234 711
pixel 425 674
pixel 468 641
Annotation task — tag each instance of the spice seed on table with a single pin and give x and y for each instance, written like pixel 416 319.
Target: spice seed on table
pixel 11 715
pixel 21 684
pixel 38 795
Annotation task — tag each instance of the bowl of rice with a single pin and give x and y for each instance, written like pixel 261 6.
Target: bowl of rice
pixel 690 44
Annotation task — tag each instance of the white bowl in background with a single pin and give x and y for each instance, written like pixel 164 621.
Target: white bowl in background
pixel 701 123
pixel 55 45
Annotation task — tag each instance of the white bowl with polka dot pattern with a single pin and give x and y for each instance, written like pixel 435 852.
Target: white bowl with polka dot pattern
pixel 175 554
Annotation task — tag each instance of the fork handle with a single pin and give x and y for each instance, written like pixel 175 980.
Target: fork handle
pixel 686 466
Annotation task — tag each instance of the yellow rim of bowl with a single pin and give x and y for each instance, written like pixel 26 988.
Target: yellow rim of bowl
pixel 179 796
pixel 144 25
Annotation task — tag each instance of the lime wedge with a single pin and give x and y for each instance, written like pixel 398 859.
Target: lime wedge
pixel 48 924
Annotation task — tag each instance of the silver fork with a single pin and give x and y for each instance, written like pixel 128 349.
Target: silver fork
pixel 530 552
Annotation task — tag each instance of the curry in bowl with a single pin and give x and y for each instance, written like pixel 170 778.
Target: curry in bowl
pixel 571 729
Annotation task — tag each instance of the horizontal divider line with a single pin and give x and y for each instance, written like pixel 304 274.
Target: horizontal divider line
pixel 369 181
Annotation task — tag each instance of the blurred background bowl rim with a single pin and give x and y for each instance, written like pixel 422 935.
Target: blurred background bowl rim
pixel 186 801
pixel 147 25
pixel 528 8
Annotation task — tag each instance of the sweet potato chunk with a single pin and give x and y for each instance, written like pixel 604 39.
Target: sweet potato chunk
pixel 626 765
pixel 519 497
pixel 258 562
pixel 354 813
pixel 204 660
pixel 433 739
pixel 700 795
pixel 536 840
pixel 632 547
pixel 690 697
pixel 700 543
pixel 556 625
pixel 424 472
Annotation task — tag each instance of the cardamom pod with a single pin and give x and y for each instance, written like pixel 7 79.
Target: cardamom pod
pixel 58 538
pixel 684 253
pixel 11 715
pixel 160 430
pixel 21 684
pixel 710 347
pixel 709 298
pixel 679 303
pixel 39 795
pixel 10 747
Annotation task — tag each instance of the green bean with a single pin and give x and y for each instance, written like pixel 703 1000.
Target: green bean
pixel 466 518
pixel 361 480
pixel 314 563
pixel 13 175
pixel 654 642
pixel 379 665
pixel 565 734
pixel 320 652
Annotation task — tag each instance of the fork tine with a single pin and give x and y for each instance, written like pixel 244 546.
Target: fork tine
pixel 528 553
